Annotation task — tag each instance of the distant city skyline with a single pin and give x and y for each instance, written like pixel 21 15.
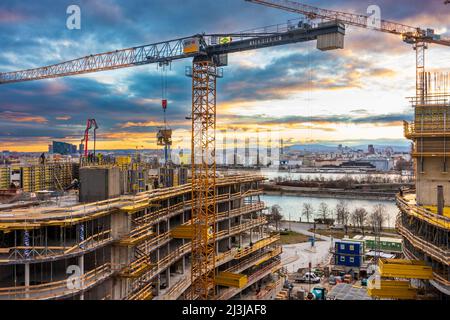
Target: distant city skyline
pixel 351 96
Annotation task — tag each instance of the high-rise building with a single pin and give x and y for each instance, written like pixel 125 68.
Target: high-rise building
pixel 371 149
pixel 63 148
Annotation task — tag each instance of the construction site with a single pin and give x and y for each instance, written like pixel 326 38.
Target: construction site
pixel 120 228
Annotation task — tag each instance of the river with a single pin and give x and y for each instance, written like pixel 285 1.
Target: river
pixel 271 174
pixel 291 206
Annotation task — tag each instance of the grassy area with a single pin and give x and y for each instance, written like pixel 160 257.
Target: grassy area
pixel 292 237
pixel 339 234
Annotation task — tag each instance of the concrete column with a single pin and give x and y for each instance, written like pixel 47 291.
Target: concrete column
pixel 168 277
pixel 158 285
pixel 27 280
pixel 81 266
pixel 440 200
pixel 183 263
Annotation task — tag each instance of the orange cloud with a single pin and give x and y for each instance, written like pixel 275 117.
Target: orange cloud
pixel 21 117
pixel 63 118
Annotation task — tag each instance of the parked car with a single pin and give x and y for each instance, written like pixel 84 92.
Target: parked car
pixel 308 277
pixel 332 280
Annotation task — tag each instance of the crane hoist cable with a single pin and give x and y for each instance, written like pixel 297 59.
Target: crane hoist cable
pixel 165 134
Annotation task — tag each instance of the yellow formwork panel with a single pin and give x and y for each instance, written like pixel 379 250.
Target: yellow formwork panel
pixel 402 268
pixel 183 232
pixel 229 279
pixel 391 289
pixel 138 206
pixel 256 246
pixel 434 210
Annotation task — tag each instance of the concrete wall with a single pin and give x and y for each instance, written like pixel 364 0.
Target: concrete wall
pixel 98 184
pixel 427 182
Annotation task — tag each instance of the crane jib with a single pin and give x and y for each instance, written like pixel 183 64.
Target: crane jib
pixel 294 36
pixel 168 51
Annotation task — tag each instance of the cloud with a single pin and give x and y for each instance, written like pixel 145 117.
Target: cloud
pixel 21 117
pixel 126 103
pixel 10 17
pixel 63 118
pixel 393 119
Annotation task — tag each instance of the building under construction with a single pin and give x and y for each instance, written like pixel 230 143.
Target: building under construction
pixel 55 175
pixel 134 246
pixel 424 220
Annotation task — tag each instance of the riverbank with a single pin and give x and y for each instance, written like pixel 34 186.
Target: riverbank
pixel 327 193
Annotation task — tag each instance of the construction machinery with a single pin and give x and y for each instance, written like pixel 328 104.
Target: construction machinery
pixel 209 53
pixel 91 123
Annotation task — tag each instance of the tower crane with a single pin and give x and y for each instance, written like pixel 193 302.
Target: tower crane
pixel 417 37
pixel 209 54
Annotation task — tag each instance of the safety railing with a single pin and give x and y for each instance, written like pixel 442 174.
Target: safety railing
pixel 42 253
pixel 252 278
pixel 409 207
pixel 57 289
pixel 436 252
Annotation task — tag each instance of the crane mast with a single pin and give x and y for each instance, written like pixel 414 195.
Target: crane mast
pixel 208 56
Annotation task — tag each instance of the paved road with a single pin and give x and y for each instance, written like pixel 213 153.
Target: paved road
pixel 299 255
pixel 303 229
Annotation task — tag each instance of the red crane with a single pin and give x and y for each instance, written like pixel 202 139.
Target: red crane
pixel 91 123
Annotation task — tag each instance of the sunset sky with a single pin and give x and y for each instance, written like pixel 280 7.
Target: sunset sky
pixel 345 96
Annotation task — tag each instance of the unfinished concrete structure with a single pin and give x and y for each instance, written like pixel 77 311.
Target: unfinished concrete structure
pixel 424 220
pixel 134 246
pixel 56 175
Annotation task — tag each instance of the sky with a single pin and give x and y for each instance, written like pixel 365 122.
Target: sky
pixel 344 96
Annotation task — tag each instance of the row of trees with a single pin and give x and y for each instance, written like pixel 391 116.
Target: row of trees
pixel 359 217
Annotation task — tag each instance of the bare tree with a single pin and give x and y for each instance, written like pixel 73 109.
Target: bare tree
pixel 342 212
pixel 377 217
pixel 359 218
pixel 275 215
pixel 307 210
pixel 323 210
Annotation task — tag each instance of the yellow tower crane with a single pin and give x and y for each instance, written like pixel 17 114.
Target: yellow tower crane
pixel 209 53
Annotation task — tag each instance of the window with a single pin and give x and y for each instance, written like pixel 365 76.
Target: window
pixel 352 259
pixel 342 259
pixel 352 247
pixel 342 246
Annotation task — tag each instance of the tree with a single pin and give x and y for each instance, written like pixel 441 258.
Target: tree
pixel 342 212
pixel 359 218
pixel 323 211
pixel 275 215
pixel 377 217
pixel 307 210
